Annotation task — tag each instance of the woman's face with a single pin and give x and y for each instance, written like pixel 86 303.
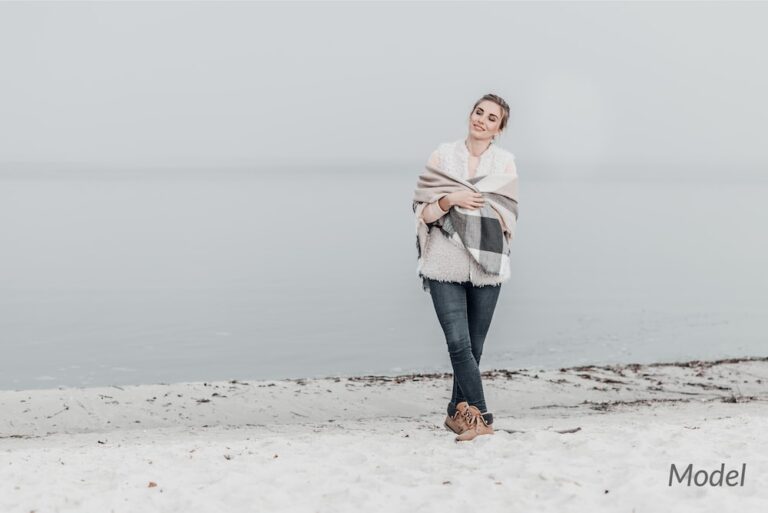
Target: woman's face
pixel 485 120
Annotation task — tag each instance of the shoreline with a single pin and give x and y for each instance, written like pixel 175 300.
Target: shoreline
pixel 509 393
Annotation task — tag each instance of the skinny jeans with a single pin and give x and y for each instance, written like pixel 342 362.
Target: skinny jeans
pixel 465 312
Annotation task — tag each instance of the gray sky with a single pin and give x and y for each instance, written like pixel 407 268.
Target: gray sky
pixel 230 84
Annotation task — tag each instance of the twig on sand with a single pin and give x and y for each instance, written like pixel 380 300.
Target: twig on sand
pixel 561 431
pixel 564 431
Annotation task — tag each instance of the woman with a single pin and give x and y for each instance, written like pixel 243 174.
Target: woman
pixel 466 212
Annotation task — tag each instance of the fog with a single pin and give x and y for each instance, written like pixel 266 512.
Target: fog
pixel 605 88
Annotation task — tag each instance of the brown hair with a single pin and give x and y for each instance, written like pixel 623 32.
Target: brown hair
pixel 498 100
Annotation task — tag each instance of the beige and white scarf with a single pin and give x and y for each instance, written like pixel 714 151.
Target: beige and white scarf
pixel 484 232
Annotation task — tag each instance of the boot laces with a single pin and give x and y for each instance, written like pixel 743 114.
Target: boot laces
pixel 474 419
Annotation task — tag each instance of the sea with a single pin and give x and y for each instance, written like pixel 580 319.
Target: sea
pixel 120 277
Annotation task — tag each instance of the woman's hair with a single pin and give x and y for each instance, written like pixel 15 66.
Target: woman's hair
pixel 498 100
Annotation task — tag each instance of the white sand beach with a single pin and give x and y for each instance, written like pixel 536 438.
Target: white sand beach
pixel 578 439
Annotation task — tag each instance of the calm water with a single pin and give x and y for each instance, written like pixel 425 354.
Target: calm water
pixel 126 278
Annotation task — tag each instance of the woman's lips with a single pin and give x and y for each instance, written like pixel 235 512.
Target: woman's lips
pixel 479 127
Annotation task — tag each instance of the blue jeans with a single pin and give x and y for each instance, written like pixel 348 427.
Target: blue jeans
pixel 465 312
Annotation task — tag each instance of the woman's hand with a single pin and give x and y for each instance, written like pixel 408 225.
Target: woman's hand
pixel 466 199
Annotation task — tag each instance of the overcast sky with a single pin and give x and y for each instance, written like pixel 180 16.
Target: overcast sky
pixel 240 84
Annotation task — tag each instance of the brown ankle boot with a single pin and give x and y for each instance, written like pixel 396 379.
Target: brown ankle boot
pixel 477 425
pixel 457 422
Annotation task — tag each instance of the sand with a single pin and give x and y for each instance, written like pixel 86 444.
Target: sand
pixel 577 439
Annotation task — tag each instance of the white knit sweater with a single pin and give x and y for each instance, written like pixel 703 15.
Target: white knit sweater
pixel 443 259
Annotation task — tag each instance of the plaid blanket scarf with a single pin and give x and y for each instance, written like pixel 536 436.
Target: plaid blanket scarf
pixel 484 232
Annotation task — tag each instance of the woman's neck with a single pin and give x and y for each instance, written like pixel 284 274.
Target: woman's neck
pixel 476 147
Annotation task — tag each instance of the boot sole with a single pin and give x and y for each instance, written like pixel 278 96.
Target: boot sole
pixel 449 428
pixel 470 439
